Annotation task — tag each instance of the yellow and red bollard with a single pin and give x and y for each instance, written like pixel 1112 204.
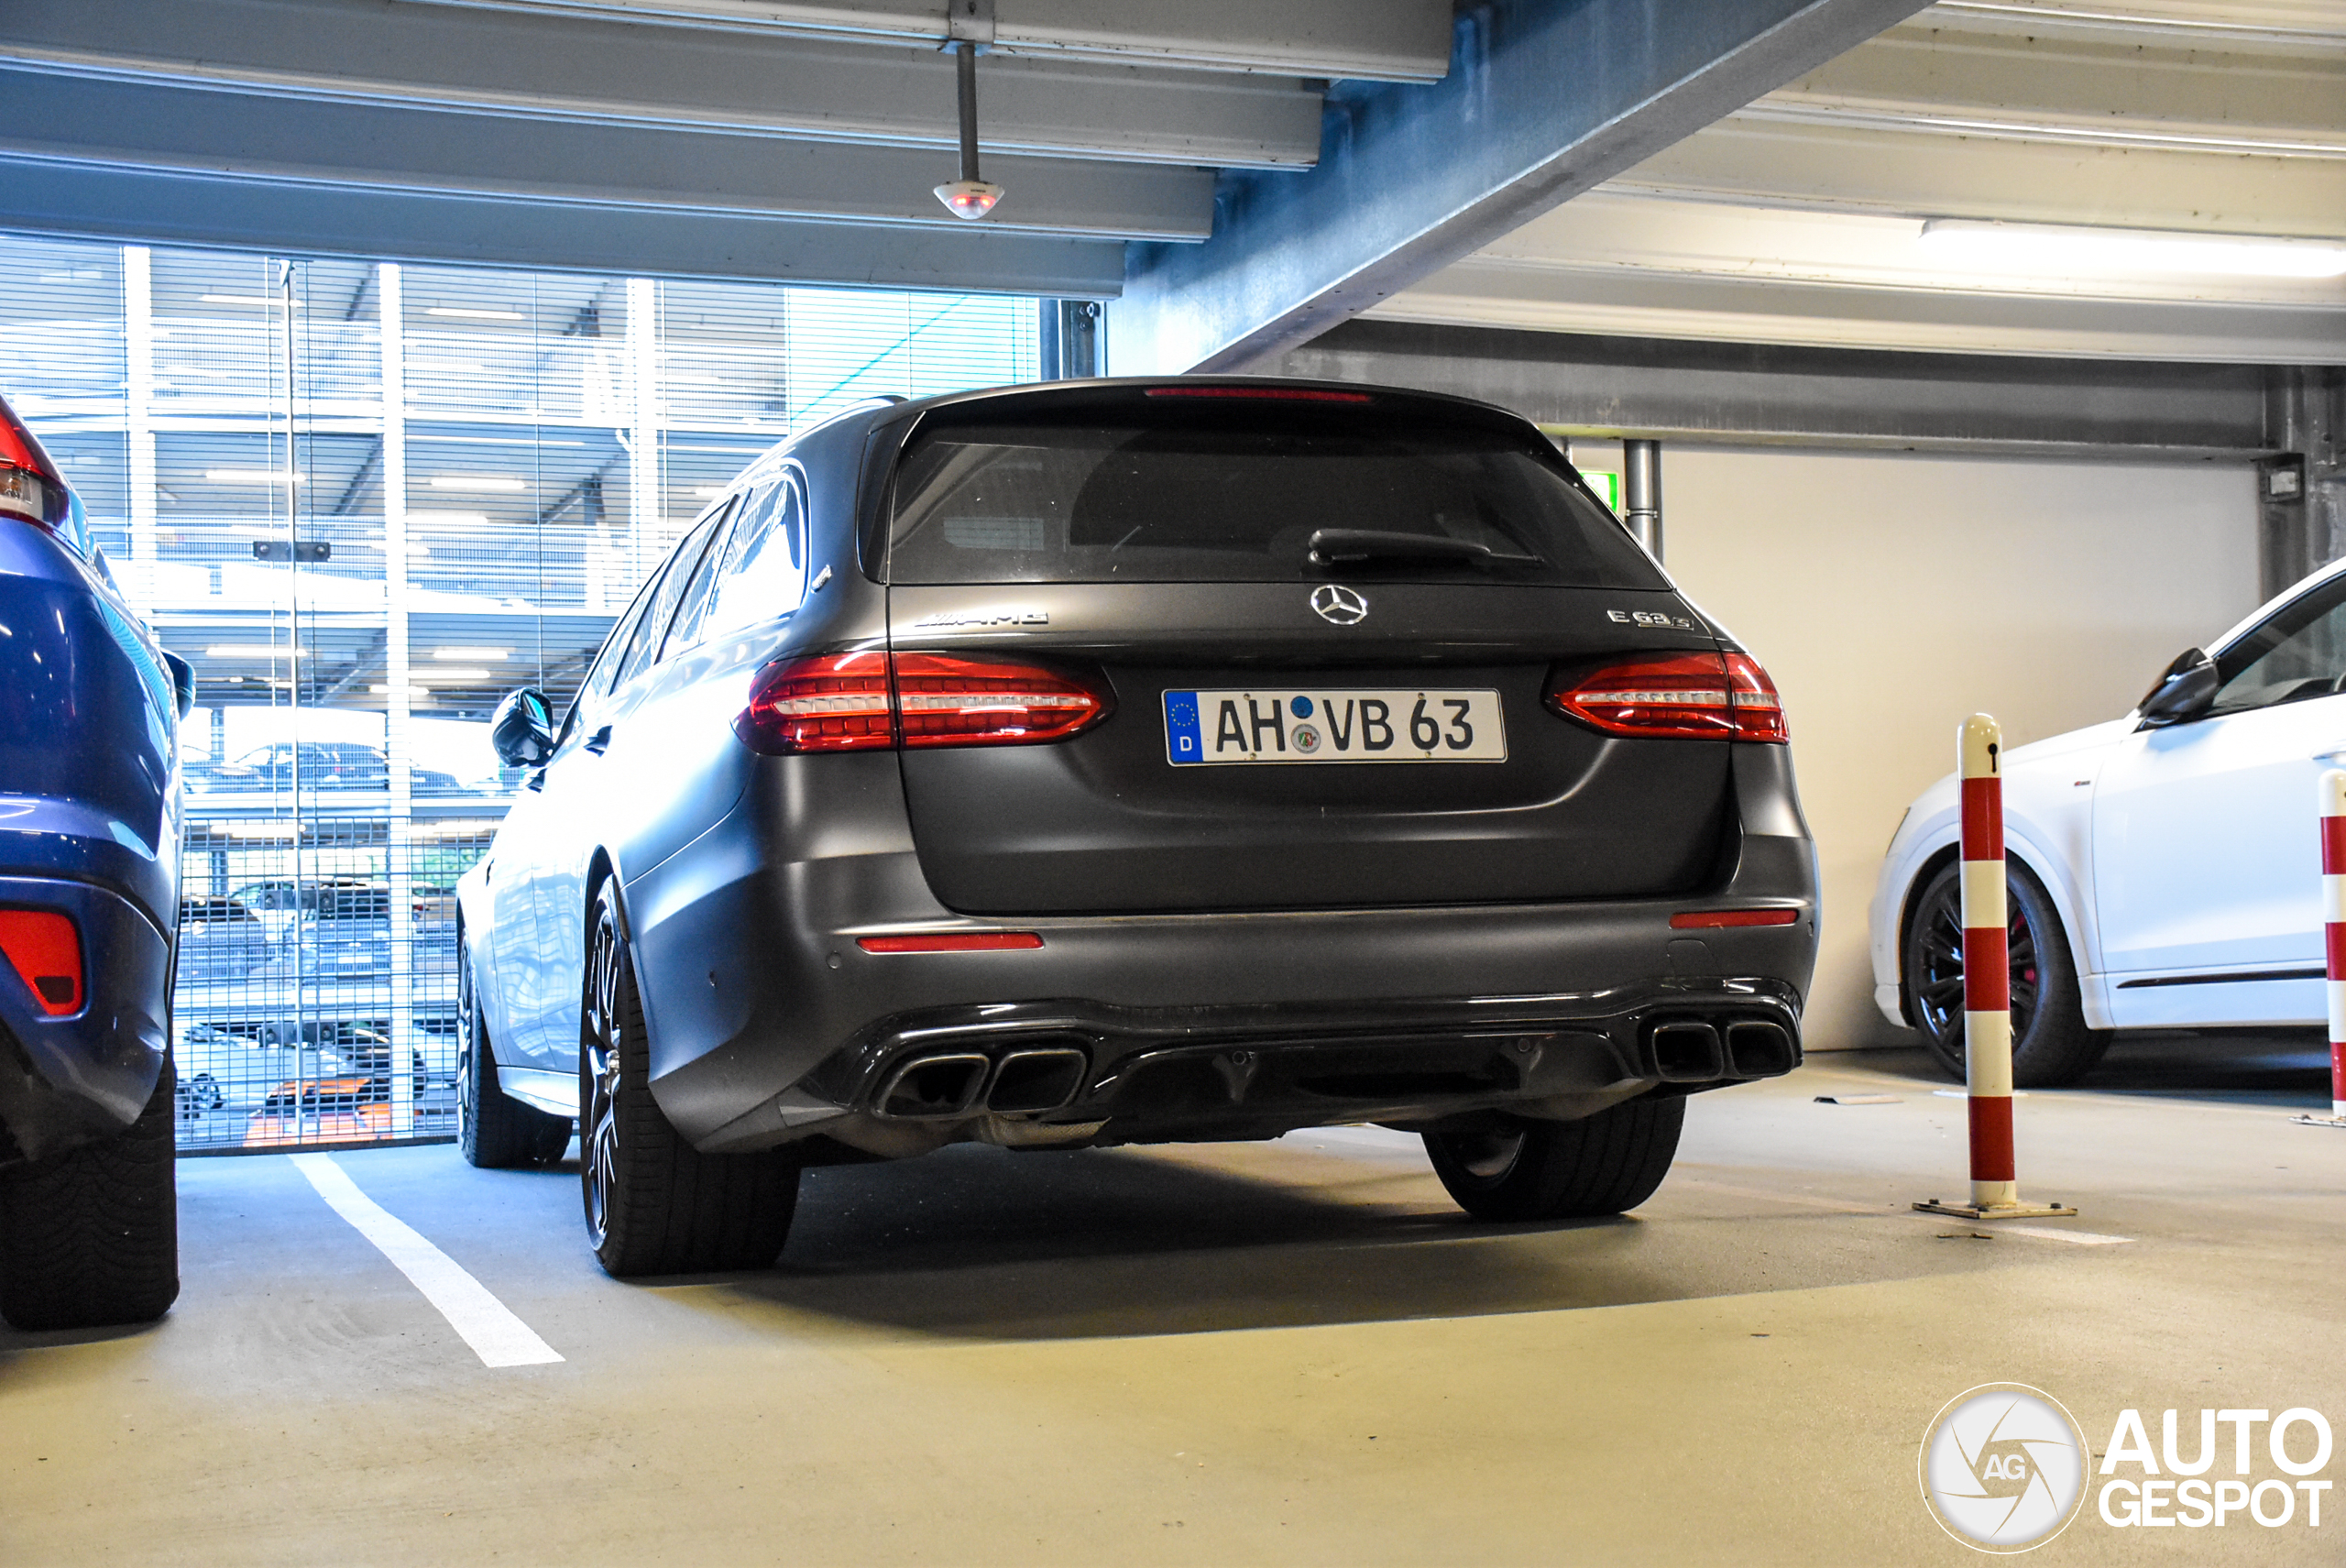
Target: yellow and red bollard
pixel 1987 987
pixel 2332 800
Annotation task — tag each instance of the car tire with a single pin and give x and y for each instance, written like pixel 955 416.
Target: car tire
pixel 654 1203
pixel 495 1131
pixel 90 1239
pixel 2052 1046
pixel 1522 1170
pixel 200 1092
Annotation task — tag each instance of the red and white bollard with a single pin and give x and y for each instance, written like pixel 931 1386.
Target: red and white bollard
pixel 2332 798
pixel 1986 986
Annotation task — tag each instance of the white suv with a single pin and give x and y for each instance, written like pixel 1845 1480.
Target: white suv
pixel 2165 868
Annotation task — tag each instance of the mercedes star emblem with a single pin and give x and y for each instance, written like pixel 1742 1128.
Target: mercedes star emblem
pixel 1338 604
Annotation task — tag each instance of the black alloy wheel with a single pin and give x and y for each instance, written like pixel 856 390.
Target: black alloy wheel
pixel 654 1203
pixel 2051 1043
pixel 1518 1168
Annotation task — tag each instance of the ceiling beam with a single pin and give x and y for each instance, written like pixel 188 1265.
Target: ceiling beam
pixel 176 130
pixel 563 67
pixel 141 207
pixel 2178 93
pixel 1843 398
pixel 1931 174
pixel 1498 292
pixel 1377 41
pixel 1543 101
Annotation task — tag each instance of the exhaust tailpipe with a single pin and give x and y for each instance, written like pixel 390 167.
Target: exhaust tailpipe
pixel 1756 1048
pixel 933 1089
pixel 1029 1083
pixel 1688 1052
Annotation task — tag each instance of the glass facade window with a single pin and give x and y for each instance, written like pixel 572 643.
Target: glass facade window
pixel 367 499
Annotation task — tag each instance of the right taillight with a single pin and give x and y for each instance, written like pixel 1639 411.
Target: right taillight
pixel 870 701
pixel 1758 711
pixel 1694 696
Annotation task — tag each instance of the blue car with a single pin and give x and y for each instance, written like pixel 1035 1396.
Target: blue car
pixel 90 709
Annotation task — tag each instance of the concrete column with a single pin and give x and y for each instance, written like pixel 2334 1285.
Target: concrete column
pixel 1641 492
pixel 1070 340
pixel 139 345
pixel 643 435
pixel 2301 493
pixel 398 702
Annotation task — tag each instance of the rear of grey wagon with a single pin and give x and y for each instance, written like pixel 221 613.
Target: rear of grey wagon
pixel 1279 754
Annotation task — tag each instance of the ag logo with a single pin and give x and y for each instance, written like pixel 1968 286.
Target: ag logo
pixel 2003 1467
pixel 1339 604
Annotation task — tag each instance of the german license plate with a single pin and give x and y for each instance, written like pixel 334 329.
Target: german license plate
pixel 1341 725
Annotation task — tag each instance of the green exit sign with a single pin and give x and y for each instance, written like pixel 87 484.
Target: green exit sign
pixel 1607 485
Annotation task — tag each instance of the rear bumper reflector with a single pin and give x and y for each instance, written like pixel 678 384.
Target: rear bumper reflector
pixel 45 951
pixel 1714 919
pixel 953 942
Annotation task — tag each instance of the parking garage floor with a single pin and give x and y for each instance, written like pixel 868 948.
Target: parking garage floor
pixel 1289 1353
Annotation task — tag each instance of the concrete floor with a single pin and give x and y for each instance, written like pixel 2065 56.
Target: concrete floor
pixel 1288 1352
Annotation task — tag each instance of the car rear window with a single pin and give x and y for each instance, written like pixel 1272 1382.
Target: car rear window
pixel 1237 492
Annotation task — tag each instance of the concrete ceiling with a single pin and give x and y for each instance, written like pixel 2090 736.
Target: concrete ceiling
pixel 1241 173
pixel 712 137
pixel 1797 218
pixel 1238 175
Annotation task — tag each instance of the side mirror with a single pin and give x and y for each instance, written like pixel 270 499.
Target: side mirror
pixel 182 682
pixel 2184 692
pixel 523 729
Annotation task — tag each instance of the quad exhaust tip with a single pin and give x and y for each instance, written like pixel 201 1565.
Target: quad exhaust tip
pixel 1029 1082
pixel 1688 1052
pixel 950 1085
pixel 934 1089
pixel 1756 1048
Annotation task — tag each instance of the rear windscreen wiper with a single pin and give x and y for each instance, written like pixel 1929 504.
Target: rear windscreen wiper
pixel 1331 546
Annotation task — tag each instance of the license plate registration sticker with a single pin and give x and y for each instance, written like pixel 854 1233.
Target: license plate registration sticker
pixel 1333 725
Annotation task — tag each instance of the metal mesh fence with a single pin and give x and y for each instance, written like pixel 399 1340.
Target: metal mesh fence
pixel 316 1000
pixel 365 500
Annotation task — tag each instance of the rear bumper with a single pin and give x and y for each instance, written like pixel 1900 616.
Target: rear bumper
pixel 70 1080
pixel 1044 1074
pixel 769 1023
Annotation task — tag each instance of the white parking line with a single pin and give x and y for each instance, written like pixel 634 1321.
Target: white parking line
pixel 496 1336
pixel 2050 1233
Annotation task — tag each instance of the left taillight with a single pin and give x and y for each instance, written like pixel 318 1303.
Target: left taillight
pixel 1693 696
pixel 30 487
pixel 869 701
pixel 45 951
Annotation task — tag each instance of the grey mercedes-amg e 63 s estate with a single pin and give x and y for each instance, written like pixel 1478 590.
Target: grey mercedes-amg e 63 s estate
pixel 1114 763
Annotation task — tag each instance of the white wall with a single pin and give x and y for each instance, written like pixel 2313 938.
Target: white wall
pixel 1891 594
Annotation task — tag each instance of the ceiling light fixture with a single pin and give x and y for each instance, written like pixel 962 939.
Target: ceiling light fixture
pixel 2081 252
pixel 462 313
pixel 253 476
pixel 477 482
pixel 471 655
pixel 968 26
pixel 262 300
pixel 250 651
pixel 454 678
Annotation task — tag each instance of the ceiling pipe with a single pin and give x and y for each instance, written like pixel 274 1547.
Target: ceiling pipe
pixel 1641 492
pixel 969 26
